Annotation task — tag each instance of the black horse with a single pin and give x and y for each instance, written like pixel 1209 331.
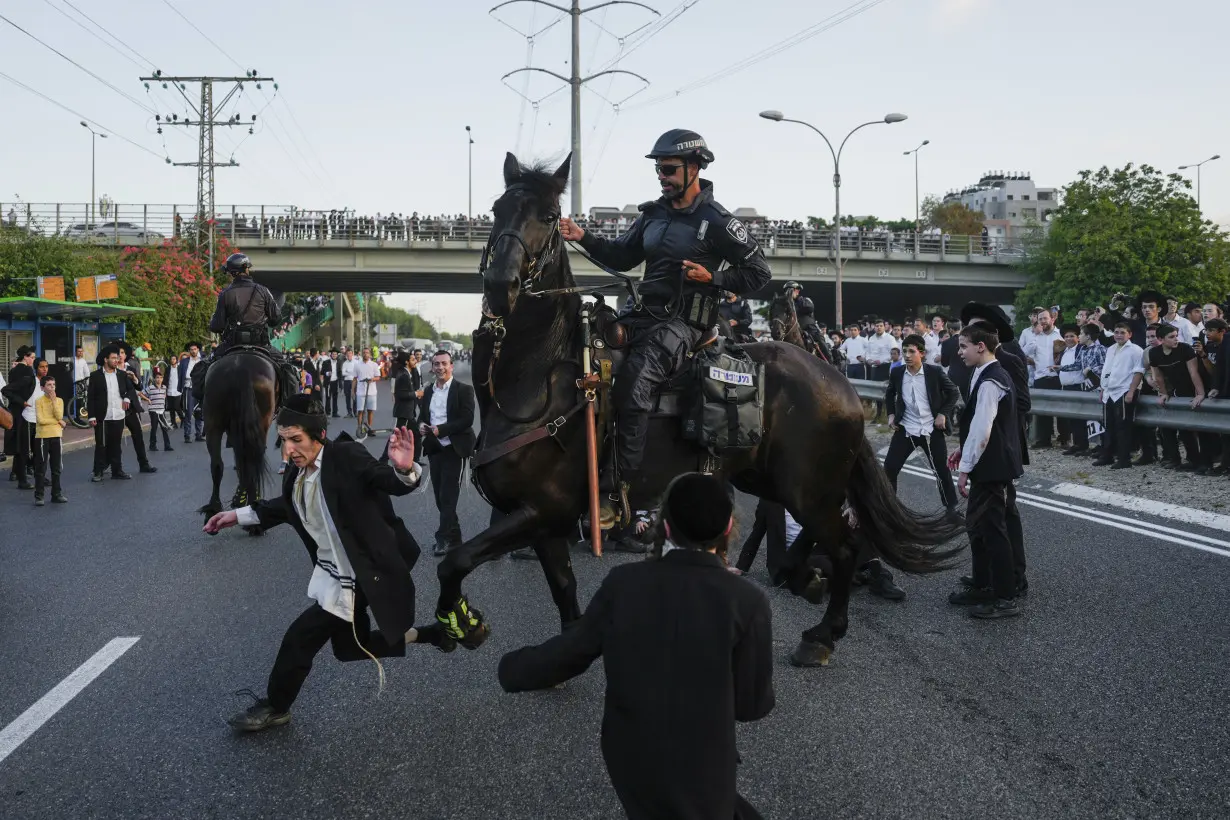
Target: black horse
pixel 784 326
pixel 239 400
pixel 814 455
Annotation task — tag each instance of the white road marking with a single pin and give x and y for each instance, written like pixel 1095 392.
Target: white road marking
pixel 1185 539
pixel 1212 520
pixel 29 721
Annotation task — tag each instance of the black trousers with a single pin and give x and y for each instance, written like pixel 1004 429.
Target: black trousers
pixel 331 397
pixel 348 390
pixel 108 436
pixel 155 422
pixel 659 350
pixel 986 522
pixel 1117 440
pixel 935 447
pixel 133 422
pixel 1076 427
pixel 446 469
pixel 190 420
pixel 23 438
pixel 308 635
pixel 47 452
pixel 174 409
pixel 1044 426
pixel 770 522
pixel 857 370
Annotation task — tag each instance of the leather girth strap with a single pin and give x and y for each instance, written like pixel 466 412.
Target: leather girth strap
pixel 548 430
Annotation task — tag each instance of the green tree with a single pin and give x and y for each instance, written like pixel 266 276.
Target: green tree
pixel 408 324
pixel 953 218
pixel 1126 230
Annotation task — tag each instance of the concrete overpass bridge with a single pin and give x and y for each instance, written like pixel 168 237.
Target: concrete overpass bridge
pixel 886 273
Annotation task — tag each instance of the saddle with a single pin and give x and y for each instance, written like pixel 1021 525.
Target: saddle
pixel 287 380
pixel 718 396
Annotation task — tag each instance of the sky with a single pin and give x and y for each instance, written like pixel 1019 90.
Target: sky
pixel 373 99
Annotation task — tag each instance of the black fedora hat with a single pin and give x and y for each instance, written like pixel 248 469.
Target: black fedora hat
pixel 994 314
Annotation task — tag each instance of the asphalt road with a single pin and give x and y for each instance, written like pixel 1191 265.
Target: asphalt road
pixel 1106 699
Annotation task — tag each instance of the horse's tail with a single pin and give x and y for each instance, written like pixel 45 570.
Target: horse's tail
pixel 907 540
pixel 247 436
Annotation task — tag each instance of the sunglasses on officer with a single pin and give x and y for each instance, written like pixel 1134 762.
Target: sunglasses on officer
pixel 667 170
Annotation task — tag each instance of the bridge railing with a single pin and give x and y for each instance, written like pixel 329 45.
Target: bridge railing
pixel 284 226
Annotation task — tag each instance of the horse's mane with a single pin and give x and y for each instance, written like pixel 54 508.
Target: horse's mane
pixel 539 178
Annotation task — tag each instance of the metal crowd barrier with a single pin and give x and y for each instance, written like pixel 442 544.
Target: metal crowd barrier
pixel 120 224
pixel 1211 417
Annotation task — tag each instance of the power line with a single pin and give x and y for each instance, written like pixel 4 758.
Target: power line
pixel 114 88
pixel 147 60
pixel 221 50
pixel 78 114
pixel 833 20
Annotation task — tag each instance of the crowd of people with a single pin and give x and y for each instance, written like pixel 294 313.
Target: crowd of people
pixel 1154 346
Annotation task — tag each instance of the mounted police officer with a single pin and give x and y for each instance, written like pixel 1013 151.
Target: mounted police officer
pixel 683 238
pixel 246 310
pixel 736 314
pixel 805 310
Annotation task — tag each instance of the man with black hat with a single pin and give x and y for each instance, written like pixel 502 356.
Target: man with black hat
pixel 109 397
pixel 687 651
pixel 336 497
pixel 684 238
pixel 990 461
pixel 19 391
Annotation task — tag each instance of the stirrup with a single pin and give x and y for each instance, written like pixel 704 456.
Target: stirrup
pixel 615 509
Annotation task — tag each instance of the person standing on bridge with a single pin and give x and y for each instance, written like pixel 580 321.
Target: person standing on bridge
pixel 684 238
pixel 337 498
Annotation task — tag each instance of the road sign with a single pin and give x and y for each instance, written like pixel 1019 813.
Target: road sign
pixel 386 334
pixel 51 287
pixel 96 288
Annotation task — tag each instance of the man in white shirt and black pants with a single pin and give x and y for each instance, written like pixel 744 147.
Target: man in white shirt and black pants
pixel 1121 376
pixel 108 397
pixel 446 422
pixel 336 496
pixel 922 403
pixel 990 460
pixel 1039 348
pixel 347 371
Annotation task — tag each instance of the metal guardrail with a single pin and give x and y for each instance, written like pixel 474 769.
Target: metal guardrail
pixel 1212 417
pixel 122 224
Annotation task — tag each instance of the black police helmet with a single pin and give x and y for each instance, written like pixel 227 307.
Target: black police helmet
pixel 680 142
pixel 238 263
pixel 791 285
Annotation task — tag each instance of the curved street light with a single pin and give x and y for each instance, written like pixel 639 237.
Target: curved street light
pixel 889 119
pixel 1197 165
pixel 917 215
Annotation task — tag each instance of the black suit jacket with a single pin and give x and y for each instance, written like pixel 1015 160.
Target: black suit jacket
pixel 380 549
pixel 404 402
pixel 942 394
pixel 459 429
pixel 20 386
pixel 96 394
pixel 313 369
pixel 688 650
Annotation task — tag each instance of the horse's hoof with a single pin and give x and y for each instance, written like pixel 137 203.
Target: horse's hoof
pixel 476 637
pixel 210 510
pixel 808 654
pixel 464 625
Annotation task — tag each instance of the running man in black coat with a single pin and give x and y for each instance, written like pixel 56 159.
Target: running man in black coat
pixel 687 649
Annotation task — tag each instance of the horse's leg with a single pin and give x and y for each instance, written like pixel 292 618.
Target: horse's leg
pixel 462 624
pixel 827 523
pixel 213 442
pixel 556 563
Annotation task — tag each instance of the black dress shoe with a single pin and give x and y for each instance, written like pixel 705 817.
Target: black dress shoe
pixel 1075 451
pixel 258 717
pixel 148 468
pixel 971 597
pixel 1121 465
pixel 999 608
pixel 882 586
pixel 1144 461
pixel 122 476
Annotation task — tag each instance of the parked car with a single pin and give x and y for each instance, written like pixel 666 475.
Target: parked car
pixel 119 232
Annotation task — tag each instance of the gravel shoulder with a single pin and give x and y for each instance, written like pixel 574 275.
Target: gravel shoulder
pixel 1208 493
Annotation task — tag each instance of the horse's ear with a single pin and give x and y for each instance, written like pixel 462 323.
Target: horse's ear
pixel 512 170
pixel 561 173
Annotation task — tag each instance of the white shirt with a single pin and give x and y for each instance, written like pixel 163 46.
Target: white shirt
pixel 28 413
pixel 979 436
pixel 1188 332
pixel 1070 378
pixel 348 369
pixel 173 380
pixel 115 404
pixel 932 354
pixel 918 420
pixel 366 370
pixel 193 361
pixel 1122 362
pixel 332 584
pixel 879 348
pixel 439 408
pixel 81 369
pixel 793 528
pixel 1041 348
pixel 854 347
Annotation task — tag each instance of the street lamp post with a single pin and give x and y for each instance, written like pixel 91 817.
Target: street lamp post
pixel 889 119
pixel 917 214
pixel 470 186
pixel 93 141
pixel 1197 165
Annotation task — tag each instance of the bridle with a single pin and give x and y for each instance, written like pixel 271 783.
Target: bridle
pixel 536 263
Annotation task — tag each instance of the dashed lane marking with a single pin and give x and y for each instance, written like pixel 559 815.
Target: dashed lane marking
pixel 29 721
